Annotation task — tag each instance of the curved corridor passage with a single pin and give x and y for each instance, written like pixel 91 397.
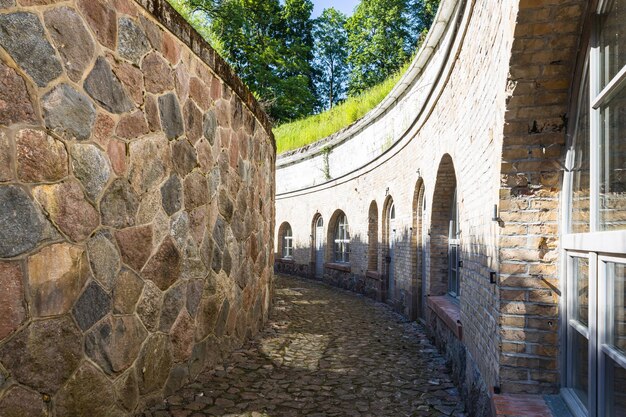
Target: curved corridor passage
pixel 325 352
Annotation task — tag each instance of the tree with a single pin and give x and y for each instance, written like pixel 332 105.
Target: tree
pixel 382 36
pixel 270 47
pixel 331 53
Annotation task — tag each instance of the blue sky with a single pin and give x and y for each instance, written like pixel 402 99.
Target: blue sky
pixel 346 6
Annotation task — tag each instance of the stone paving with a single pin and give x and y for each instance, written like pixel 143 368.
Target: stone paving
pixel 326 352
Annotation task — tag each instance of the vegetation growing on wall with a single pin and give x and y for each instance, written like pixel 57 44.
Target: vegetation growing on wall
pixel 313 128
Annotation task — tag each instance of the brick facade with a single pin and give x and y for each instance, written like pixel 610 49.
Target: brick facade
pixel 492 125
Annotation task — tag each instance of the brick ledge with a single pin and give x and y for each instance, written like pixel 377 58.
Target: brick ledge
pixel 448 311
pixel 519 405
pixel 338 267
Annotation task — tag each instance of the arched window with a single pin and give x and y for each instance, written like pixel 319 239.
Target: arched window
pixel 288 244
pixel 342 240
pixel 285 241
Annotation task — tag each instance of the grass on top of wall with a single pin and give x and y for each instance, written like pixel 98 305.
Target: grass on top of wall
pixel 318 126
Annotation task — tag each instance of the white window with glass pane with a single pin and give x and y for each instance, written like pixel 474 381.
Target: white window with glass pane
pixel 287 243
pixel 342 240
pixel 454 242
pixel 594 369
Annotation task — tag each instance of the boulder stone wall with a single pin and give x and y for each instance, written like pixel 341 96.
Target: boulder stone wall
pixel 136 207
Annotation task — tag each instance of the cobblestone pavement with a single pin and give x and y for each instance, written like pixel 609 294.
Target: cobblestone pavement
pixel 325 352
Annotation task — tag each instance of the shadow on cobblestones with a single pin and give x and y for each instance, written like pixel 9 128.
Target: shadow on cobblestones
pixel 325 352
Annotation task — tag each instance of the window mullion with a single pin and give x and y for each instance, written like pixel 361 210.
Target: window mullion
pixel 595 131
pixel 594 294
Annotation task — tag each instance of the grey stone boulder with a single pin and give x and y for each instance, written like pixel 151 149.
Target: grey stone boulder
pixel 106 89
pixel 69 112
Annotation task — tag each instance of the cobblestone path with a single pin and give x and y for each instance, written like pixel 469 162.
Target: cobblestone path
pixel 325 352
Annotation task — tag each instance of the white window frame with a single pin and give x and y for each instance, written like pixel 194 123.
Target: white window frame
pixel 454 245
pixel 342 240
pixel 600 247
pixel 288 243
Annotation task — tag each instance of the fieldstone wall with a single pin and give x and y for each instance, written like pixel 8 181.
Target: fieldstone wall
pixel 136 207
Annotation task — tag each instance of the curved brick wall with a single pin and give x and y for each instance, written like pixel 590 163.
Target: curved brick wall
pixel 136 185
pixel 483 108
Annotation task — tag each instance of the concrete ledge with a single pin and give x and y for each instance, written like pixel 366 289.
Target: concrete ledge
pixel 373 275
pixel 448 311
pixel 338 267
pixel 509 405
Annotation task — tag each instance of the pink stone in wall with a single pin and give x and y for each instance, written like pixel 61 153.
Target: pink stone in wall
pixel 15 104
pixel 131 77
pixel 171 48
pixel 158 75
pixel 40 157
pixel 132 126
pixel 182 82
pixel 117 154
pixel 126 7
pixel 199 92
pixel 103 129
pixel 102 19
pixel 12 305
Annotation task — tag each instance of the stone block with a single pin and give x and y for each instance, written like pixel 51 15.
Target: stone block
pixel 93 304
pixel 171 116
pixel 68 208
pixel 154 363
pixel 127 391
pixel 132 79
pixel 172 195
pixel 173 303
pixel 126 292
pixel 68 112
pixel 149 307
pixel 40 157
pixel 87 393
pixel 91 166
pixel 105 88
pixel 119 205
pixel 164 267
pixel 102 19
pixel 21 402
pixel 22 35
pixel 158 75
pixel 132 43
pixel 104 259
pixel 144 175
pixel 132 126
pixel 115 342
pixel 184 157
pixel 12 302
pixel 196 191
pixel 56 276
pixel 135 245
pixel 71 39
pixel 15 103
pixel 21 223
pixel 44 355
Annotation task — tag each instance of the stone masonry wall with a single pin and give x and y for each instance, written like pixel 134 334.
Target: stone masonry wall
pixel 136 207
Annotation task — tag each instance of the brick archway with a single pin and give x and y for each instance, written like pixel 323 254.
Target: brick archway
pixel 372 237
pixel 439 226
pixel 417 252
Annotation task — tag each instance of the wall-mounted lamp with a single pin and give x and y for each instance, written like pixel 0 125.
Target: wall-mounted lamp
pixel 419 172
pixel 387 192
pixel 493 277
pixel 494 216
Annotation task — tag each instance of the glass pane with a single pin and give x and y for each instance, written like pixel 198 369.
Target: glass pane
pixel 615 399
pixel 613 40
pixel 579 218
pixel 616 274
pixel 613 164
pixel 581 290
pixel 580 371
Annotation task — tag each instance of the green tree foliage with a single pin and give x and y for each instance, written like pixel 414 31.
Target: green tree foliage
pixel 270 47
pixel 382 36
pixel 330 57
